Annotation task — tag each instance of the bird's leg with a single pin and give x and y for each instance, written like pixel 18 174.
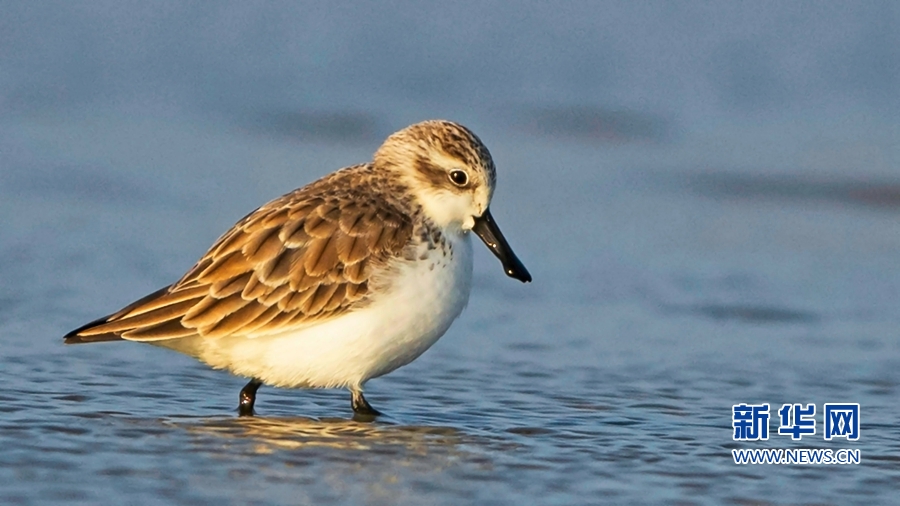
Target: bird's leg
pixel 248 398
pixel 360 405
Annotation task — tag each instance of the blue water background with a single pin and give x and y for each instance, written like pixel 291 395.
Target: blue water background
pixel 707 195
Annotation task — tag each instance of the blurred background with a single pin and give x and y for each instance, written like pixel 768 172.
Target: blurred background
pixel 707 194
pixel 758 84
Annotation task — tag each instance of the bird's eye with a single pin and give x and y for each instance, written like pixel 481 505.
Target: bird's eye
pixel 458 177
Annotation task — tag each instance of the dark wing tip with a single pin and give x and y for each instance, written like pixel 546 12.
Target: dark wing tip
pixel 101 338
pixel 74 337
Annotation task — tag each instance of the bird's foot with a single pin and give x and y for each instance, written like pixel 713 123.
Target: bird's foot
pixel 248 398
pixel 362 410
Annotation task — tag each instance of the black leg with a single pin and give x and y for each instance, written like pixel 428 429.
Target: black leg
pixel 361 406
pixel 248 398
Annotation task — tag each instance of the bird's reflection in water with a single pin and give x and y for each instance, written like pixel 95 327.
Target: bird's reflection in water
pixel 271 434
pixel 323 461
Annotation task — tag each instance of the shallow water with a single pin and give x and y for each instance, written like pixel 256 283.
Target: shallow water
pixel 662 296
pixel 707 195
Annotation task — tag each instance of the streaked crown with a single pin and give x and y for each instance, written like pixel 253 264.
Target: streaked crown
pixel 446 166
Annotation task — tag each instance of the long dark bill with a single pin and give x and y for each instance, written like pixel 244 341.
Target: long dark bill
pixel 490 233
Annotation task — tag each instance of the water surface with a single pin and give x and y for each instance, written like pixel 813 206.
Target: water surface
pixel 705 194
pixel 655 307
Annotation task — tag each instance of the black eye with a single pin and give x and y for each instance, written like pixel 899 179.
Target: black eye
pixel 459 177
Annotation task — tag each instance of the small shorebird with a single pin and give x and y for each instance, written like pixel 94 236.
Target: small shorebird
pixel 338 282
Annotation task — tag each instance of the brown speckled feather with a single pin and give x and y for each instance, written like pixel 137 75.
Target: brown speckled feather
pixel 305 257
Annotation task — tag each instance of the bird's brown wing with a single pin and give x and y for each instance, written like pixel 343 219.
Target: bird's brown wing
pixel 302 258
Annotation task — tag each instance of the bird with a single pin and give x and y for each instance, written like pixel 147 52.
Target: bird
pixel 338 282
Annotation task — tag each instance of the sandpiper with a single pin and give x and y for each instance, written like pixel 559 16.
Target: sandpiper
pixel 338 282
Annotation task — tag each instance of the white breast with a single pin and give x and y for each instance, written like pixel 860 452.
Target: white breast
pixel 423 298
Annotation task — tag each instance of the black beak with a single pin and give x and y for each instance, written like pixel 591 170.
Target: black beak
pixel 489 232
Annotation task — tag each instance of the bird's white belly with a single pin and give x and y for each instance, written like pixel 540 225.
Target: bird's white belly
pixel 422 300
